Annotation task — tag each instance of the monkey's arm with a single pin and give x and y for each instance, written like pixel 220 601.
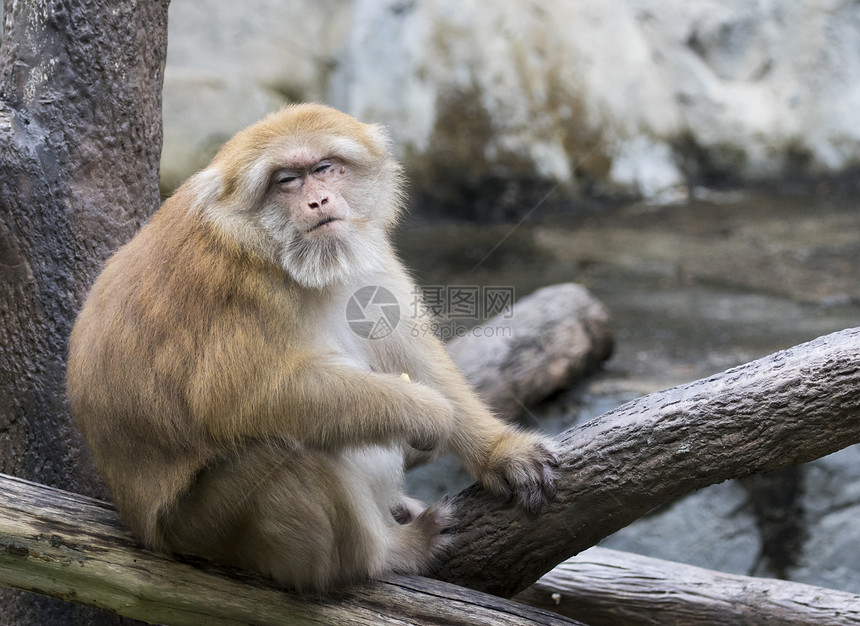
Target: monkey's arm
pixel 504 459
pixel 323 404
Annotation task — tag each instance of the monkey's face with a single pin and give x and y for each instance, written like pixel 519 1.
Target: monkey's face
pixel 311 194
pixel 321 236
pixel 311 188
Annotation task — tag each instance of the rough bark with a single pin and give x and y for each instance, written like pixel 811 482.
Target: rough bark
pixel 551 338
pixel 788 408
pixel 80 137
pixel 782 410
pixel 611 588
pixel 76 548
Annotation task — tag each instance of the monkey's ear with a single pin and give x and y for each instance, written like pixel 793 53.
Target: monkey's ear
pixel 207 187
pixel 381 137
pixel 232 183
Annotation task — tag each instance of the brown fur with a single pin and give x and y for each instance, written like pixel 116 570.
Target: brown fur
pixel 229 407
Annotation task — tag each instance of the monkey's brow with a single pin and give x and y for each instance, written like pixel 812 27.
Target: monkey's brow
pixel 294 165
pixel 297 167
pixel 303 159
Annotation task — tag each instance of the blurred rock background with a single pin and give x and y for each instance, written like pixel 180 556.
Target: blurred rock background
pixel 498 102
pixel 694 164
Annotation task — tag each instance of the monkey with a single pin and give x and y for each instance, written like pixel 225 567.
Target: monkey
pixel 230 408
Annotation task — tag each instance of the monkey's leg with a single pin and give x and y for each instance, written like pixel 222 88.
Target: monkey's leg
pixel 418 543
pixel 410 534
pixel 308 519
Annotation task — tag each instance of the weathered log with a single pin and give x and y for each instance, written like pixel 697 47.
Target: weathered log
pixel 611 588
pixel 788 408
pixel 75 548
pixel 551 338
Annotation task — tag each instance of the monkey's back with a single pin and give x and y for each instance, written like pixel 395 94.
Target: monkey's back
pixel 164 354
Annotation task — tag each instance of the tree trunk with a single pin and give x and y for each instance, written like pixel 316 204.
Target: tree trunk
pixel 80 139
pixel 782 410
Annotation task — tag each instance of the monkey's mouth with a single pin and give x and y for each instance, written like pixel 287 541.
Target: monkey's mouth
pixel 323 222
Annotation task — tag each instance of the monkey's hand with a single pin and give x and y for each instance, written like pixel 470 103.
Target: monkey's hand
pixel 521 465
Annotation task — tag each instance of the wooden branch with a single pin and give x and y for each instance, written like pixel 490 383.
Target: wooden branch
pixel 553 338
pixel 782 410
pixel 75 548
pixel 608 587
pixel 785 409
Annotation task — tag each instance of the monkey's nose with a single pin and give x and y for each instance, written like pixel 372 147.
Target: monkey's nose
pixel 315 204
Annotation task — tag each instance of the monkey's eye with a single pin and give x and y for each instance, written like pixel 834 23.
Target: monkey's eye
pixel 287 179
pixel 322 167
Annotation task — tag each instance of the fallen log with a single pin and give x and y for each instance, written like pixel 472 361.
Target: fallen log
pixel 75 548
pixel 606 587
pixel 785 409
pixel 554 337
pixel 782 410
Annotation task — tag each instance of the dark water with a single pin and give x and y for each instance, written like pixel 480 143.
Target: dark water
pixel 692 289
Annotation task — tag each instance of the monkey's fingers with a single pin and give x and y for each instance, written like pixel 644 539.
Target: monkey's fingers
pixel 533 496
pixel 529 476
pixel 537 489
pixel 548 466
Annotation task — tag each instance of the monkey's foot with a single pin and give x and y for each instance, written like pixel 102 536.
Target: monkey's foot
pixel 433 524
pixel 407 509
pixel 421 542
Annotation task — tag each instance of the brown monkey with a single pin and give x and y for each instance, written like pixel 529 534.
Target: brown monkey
pixel 230 407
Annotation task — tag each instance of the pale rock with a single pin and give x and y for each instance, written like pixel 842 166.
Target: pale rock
pixel 636 96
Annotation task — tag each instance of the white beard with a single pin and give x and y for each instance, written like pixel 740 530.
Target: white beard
pixel 321 261
pixel 317 260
